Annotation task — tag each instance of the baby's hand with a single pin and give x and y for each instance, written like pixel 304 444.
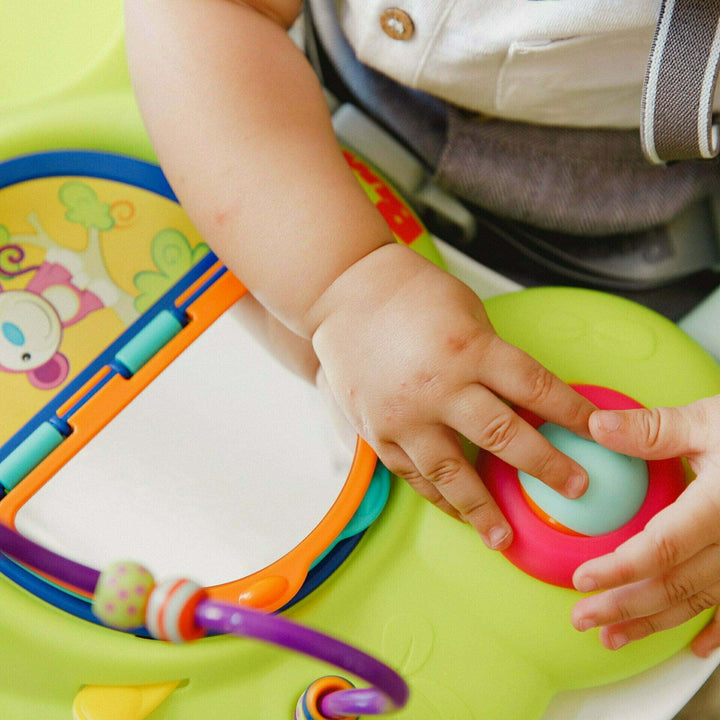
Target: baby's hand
pixel 413 360
pixel 670 571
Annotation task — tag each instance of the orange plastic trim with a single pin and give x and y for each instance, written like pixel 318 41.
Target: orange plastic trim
pixel 189 291
pixel 87 387
pixel 548 519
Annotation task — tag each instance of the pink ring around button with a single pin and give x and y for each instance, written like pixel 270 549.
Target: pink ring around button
pixel 549 554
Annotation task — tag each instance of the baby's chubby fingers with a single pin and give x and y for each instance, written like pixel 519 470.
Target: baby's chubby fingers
pixel 397 461
pixel 532 386
pixel 489 423
pixel 436 458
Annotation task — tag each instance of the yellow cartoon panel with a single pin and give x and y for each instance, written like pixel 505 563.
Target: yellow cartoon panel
pixel 81 259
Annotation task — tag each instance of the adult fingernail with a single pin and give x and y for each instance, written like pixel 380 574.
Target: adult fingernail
pixel 585 624
pixel 585 584
pixel 497 537
pixel 608 421
pixel 617 641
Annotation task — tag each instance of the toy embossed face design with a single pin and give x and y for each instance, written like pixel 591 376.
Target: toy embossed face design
pixel 30 335
pixel 61 293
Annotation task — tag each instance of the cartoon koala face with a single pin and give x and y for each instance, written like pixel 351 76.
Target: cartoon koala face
pixel 30 335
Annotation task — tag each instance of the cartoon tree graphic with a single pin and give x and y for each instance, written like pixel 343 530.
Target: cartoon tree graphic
pixel 171 252
pixel 84 207
pixel 173 257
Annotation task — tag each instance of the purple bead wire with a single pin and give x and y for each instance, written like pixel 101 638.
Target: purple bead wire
pixel 349 703
pixel 390 691
pixel 40 558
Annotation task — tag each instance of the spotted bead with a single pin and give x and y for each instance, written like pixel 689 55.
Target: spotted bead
pixel 170 613
pixel 121 595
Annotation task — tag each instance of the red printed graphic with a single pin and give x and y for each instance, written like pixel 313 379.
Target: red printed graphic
pixel 397 215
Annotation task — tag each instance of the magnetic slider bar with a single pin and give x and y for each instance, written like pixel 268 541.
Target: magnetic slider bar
pixel 154 336
pixel 151 338
pixel 389 691
pixel 126 362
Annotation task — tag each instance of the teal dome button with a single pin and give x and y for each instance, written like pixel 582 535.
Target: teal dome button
pixel 617 489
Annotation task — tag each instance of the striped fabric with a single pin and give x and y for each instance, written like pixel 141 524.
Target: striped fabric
pixel 676 121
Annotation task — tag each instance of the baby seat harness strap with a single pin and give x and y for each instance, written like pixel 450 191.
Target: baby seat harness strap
pixel 630 261
pixel 679 87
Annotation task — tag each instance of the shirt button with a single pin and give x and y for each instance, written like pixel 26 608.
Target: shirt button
pixel 397 24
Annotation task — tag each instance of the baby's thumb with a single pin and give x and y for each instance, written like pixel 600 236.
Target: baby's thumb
pixel 650 434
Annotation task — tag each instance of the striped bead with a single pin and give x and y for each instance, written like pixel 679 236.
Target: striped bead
pixel 170 613
pixel 308 705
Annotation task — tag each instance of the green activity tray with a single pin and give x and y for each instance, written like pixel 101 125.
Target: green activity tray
pixel 475 637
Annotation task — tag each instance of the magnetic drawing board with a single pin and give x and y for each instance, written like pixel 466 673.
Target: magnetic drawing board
pixel 222 465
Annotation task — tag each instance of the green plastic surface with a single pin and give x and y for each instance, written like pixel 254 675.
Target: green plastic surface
pixel 475 637
pixel 65 82
pixel 420 591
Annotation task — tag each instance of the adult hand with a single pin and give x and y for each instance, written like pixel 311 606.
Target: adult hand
pixel 670 571
pixel 413 360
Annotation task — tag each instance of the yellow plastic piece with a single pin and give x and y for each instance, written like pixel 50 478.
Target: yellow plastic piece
pixel 120 703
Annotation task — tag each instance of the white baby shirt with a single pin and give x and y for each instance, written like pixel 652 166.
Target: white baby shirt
pixel 559 62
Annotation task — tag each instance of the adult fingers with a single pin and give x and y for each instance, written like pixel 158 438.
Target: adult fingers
pixel 439 459
pixel 653 433
pixel 649 597
pixel 534 387
pixel 489 423
pixel 614 637
pixel 675 534
pixel 708 639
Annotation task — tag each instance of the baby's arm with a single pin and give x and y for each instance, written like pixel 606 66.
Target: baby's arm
pixel 239 122
pixel 242 130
